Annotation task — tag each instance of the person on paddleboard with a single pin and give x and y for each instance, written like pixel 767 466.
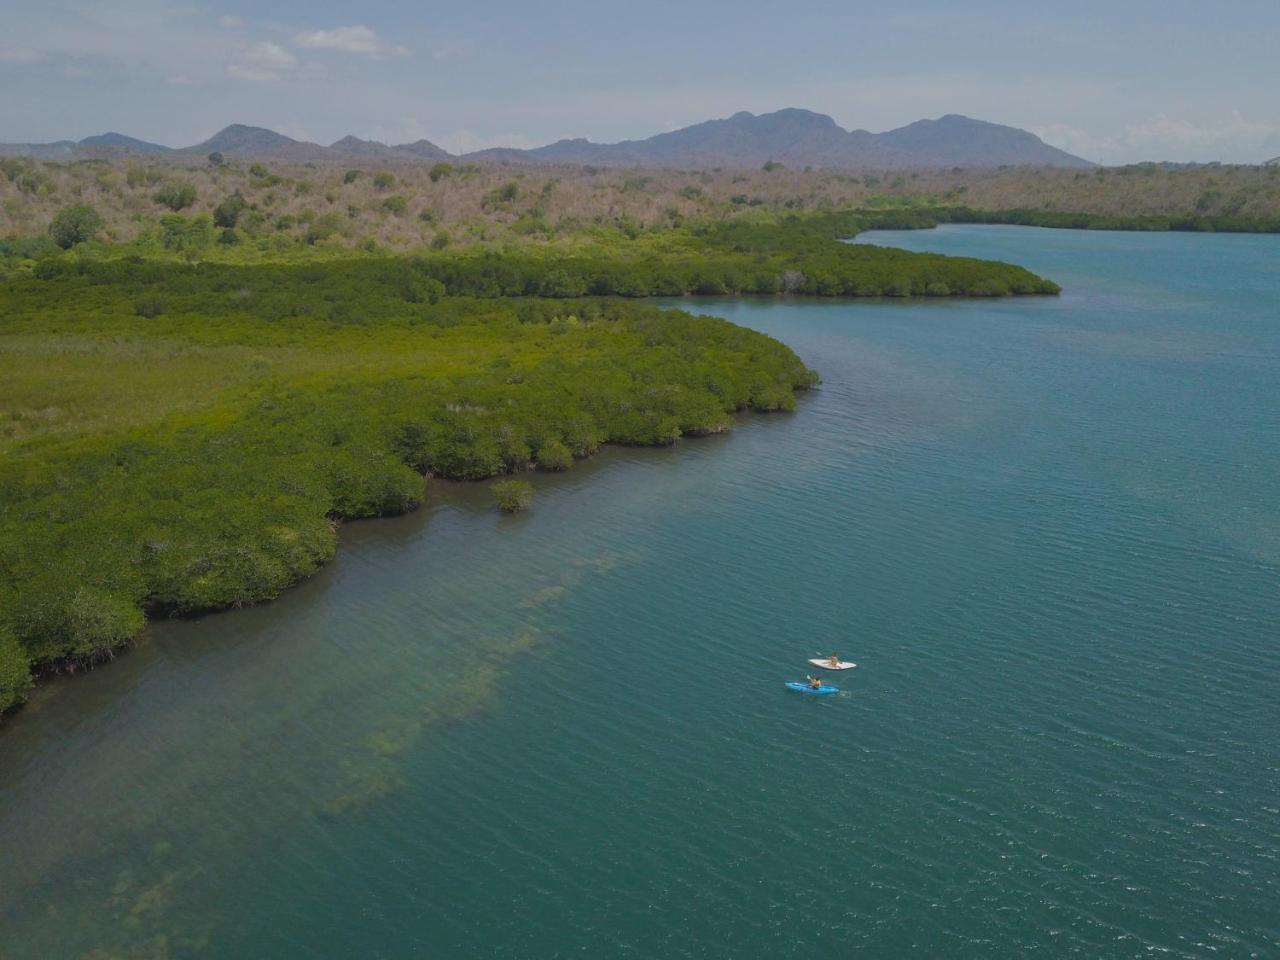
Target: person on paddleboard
pixel 833 661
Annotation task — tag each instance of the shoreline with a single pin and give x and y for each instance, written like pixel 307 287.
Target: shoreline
pixel 926 218
pixel 65 668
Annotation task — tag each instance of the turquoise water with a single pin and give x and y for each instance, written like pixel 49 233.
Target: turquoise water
pixel 1048 531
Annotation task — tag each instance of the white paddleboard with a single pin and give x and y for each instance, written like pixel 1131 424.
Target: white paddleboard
pixel 825 664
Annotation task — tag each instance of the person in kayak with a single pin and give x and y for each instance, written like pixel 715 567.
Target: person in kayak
pixel 815 683
pixel 833 661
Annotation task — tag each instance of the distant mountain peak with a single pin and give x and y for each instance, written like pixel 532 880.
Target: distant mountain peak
pixel 793 136
pixel 240 137
pixel 353 141
pixel 957 140
pixel 353 147
pixel 801 113
pixel 423 150
pixel 240 129
pixel 110 137
pixel 121 142
pixel 802 137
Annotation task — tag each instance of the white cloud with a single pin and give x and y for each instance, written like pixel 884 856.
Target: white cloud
pixel 262 62
pixel 159 37
pixel 465 141
pixel 230 21
pixel 271 54
pixel 354 39
pixel 1162 137
pixel 1163 131
pixel 20 55
pixel 1071 139
pixel 242 71
pixel 449 52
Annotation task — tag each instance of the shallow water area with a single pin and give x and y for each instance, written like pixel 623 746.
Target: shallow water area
pixel 1047 529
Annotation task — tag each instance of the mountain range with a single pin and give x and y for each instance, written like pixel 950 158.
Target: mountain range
pixel 792 137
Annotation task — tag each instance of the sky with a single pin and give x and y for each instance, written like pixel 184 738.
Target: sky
pixel 1117 82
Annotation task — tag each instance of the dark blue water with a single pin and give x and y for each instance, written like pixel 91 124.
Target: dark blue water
pixel 1048 530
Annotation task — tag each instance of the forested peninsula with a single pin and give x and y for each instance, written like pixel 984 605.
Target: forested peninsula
pixel 173 459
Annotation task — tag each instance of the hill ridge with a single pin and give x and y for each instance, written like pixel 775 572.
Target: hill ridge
pixel 792 135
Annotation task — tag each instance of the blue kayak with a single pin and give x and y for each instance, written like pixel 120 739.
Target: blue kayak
pixel 821 691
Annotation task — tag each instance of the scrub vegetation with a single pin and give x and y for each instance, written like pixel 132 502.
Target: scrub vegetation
pixel 410 206
pixel 756 254
pixel 513 496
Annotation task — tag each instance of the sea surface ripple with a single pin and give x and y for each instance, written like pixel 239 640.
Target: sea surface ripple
pixel 1048 531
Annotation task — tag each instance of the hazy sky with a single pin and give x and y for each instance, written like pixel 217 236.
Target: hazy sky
pixel 1117 81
